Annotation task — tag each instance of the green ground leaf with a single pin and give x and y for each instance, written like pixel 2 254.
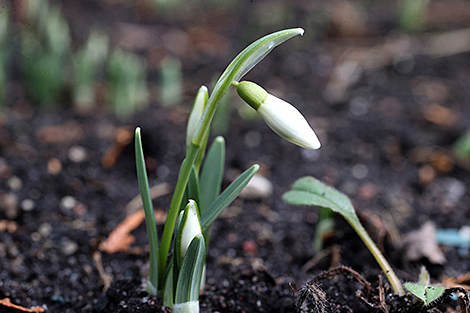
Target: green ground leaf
pixel 310 191
pixel 427 294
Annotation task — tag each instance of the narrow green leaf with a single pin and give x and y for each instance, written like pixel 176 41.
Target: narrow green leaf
pixel 212 173
pixel 149 214
pixel 424 277
pixel 193 187
pixel 227 196
pixel 189 279
pixel 168 288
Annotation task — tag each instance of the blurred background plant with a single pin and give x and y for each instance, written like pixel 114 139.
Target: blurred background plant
pixel 4 50
pixel 45 46
pixel 88 63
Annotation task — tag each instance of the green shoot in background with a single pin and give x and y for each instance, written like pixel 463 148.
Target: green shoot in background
pixel 311 191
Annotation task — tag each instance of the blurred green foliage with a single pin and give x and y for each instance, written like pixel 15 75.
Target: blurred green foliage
pixel 45 45
pixel 171 81
pixel 88 63
pixel 126 85
pixel 412 14
pixel 461 147
pixel 4 46
pixel 51 70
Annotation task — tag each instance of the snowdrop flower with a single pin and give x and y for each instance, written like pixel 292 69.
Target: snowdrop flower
pixel 284 119
pixel 190 227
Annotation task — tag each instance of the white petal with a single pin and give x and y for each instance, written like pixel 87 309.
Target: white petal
pixel 286 121
pixel 191 228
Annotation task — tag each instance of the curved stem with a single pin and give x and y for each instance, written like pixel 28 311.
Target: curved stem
pixel 388 271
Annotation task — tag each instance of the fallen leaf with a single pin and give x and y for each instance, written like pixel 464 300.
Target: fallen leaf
pixel 120 239
pixel 123 137
pixel 422 244
pixel 71 131
pixel 440 115
pixel 6 302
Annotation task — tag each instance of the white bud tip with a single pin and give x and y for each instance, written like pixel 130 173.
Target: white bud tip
pixel 301 31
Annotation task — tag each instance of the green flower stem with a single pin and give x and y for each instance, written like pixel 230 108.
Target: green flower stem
pixel 387 269
pixel 175 205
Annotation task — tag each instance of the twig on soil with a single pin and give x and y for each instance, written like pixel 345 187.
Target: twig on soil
pixel 105 277
pixel 120 239
pixel 123 137
pixel 346 271
pixel 156 191
pixel 6 302
pixel 458 281
pixel 382 295
pixel 334 251
pixel 311 299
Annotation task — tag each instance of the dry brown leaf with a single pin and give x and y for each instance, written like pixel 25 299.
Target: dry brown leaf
pixel 155 192
pixel 120 239
pixel 440 115
pixel 71 131
pixel 105 277
pixel 422 243
pixel 123 136
pixel 6 302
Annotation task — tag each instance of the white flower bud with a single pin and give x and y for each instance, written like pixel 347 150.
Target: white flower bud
pixel 190 227
pixel 196 113
pixel 284 119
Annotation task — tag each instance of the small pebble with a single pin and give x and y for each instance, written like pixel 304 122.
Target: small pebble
pixel 360 171
pixel 9 204
pixel 35 236
pixel 54 166
pixel 258 188
pixel 367 191
pixel 250 247
pixel 310 155
pixel 45 229
pixel 77 154
pixel 15 183
pixel 69 247
pixel 5 169
pixel 252 138
pixel 67 203
pixel 27 205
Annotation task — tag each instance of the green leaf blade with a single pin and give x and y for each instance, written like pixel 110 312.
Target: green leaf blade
pixel 190 275
pixel 310 191
pixel 149 214
pixel 426 293
pixel 227 196
pixel 212 173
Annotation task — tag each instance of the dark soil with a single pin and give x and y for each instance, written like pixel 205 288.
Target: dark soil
pixel 375 151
